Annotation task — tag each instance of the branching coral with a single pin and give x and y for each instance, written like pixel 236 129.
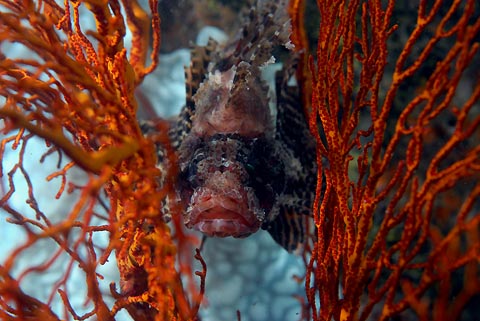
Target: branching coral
pixel 387 237
pixel 76 92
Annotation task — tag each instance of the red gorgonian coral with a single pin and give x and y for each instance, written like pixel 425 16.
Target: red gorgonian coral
pixel 398 222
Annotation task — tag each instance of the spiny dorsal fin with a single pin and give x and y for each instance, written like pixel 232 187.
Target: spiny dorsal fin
pixel 266 26
pixel 195 73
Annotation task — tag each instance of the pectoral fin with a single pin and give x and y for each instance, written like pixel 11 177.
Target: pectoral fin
pixel 291 230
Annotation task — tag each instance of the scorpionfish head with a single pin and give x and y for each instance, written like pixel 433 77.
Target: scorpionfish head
pixel 228 169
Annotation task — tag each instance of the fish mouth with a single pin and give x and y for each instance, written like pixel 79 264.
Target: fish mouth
pixel 221 216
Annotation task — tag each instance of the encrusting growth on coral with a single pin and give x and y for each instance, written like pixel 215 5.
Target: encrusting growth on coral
pixel 398 183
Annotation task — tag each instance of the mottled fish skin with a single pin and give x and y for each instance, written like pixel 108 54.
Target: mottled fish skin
pixel 240 169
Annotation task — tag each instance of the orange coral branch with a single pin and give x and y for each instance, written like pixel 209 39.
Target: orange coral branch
pixel 376 217
pixel 90 161
pixel 22 305
pixel 296 11
pixel 77 94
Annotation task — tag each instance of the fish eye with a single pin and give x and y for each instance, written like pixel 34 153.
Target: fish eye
pixel 198 156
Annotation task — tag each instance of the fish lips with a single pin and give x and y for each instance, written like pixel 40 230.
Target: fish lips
pixel 220 215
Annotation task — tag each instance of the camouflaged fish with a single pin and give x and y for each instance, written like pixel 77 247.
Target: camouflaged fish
pixel 240 168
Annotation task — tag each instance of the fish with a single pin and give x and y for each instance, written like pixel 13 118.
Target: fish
pixel 246 158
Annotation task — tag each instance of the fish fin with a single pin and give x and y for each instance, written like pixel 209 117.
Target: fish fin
pixel 150 129
pixel 295 144
pixel 266 26
pixel 292 125
pixel 291 230
pixel 296 148
pixel 195 74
